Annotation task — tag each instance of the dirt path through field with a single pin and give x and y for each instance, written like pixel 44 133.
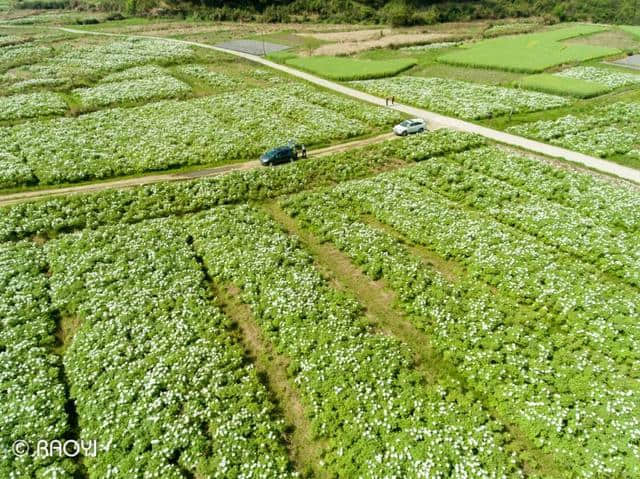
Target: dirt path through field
pixel 436 120
pixel 188 175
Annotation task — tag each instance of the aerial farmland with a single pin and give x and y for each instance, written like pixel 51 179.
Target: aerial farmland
pixel 251 249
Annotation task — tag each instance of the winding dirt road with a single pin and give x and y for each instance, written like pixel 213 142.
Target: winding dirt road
pixel 187 175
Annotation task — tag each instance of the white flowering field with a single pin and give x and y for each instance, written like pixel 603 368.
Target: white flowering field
pixel 153 370
pixel 168 134
pixel 211 78
pixel 610 78
pixel 358 387
pixel 28 105
pixel 33 395
pixel 129 91
pixel 459 98
pixel 536 321
pixel 605 131
pixel 135 73
pixel 534 324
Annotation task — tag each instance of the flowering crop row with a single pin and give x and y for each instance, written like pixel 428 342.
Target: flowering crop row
pixel 460 98
pixel 25 85
pixel 153 88
pixel 171 198
pixel 7 40
pixel 518 264
pixel 30 105
pixel 168 134
pixel 612 251
pixel 154 372
pixel 33 398
pixel 14 171
pixel 604 203
pixel 604 132
pixel 611 78
pixel 15 55
pixel 569 399
pixel 134 73
pixel 97 60
pixel 211 78
pixel 359 389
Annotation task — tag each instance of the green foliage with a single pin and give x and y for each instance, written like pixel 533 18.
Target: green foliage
pixel 359 388
pixel 156 376
pixel 530 53
pixel 558 85
pixel 520 319
pixel 398 13
pixel 33 405
pixel 166 199
pixel 346 69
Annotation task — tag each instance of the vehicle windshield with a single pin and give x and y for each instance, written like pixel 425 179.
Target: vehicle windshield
pixel 270 154
pixel 405 123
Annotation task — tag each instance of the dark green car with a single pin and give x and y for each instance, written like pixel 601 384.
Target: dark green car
pixel 282 154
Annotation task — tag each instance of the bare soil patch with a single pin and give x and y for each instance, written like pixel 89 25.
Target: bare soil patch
pixel 359 41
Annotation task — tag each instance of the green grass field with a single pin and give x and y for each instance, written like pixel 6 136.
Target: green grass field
pixel 556 85
pixel 632 29
pixel 346 69
pixel 531 53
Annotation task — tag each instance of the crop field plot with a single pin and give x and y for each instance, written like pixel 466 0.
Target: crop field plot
pixel 161 105
pixel 345 69
pixel 563 85
pixel 580 82
pixel 610 78
pixel 460 98
pixel 163 135
pixel 530 53
pixel 609 131
pixel 116 92
pixel 30 105
pixel 509 351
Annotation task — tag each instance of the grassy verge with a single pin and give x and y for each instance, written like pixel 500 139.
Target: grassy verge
pixel 346 69
pixel 531 53
pixel 556 85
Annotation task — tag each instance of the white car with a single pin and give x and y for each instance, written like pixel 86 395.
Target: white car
pixel 416 125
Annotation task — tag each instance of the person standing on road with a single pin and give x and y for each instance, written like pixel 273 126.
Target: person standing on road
pixel 393 100
pixel 304 151
pixel 386 101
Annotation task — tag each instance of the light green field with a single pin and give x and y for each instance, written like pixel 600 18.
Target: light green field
pixel 632 29
pixel 346 69
pixel 557 85
pixel 531 53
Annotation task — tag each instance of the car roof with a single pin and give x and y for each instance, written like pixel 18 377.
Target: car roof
pixel 278 149
pixel 419 120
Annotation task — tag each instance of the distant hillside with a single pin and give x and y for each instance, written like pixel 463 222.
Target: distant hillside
pixel 397 12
